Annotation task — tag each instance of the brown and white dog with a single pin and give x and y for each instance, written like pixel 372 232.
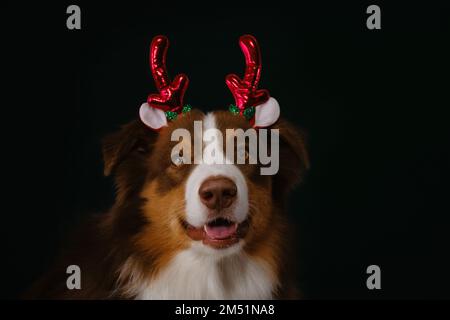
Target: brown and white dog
pixel 181 230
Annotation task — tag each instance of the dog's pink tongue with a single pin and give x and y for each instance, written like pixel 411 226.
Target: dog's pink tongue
pixel 220 232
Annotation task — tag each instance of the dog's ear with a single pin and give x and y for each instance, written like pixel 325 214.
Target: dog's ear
pixel 293 157
pixel 133 136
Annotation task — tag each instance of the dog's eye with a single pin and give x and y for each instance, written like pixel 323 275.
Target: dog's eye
pixel 178 161
pixel 246 155
pixel 243 155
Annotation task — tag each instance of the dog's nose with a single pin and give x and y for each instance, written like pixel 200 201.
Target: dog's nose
pixel 217 192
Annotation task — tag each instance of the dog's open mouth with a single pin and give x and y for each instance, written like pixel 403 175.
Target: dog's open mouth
pixel 220 229
pixel 218 233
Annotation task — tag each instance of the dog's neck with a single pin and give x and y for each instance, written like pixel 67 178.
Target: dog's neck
pixel 195 274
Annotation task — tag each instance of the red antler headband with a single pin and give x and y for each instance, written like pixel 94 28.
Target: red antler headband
pixel 168 103
pixel 254 104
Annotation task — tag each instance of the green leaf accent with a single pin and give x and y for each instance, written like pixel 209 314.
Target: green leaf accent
pixel 170 115
pixel 186 108
pixel 233 109
pixel 249 113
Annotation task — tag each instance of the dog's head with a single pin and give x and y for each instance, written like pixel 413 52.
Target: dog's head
pixel 202 185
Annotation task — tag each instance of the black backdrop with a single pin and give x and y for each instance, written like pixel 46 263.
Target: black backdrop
pixel 374 105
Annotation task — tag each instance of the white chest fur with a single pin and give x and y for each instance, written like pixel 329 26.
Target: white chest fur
pixel 195 275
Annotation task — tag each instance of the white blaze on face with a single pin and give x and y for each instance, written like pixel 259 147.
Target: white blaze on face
pixel 212 164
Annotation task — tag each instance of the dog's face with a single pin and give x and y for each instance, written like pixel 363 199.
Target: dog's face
pixel 218 208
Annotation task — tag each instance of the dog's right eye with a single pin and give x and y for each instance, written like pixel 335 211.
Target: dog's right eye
pixel 178 161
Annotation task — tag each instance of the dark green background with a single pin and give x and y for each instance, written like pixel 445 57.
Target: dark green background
pixel 374 104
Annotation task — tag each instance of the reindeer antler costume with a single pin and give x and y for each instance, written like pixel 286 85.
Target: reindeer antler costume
pixel 254 104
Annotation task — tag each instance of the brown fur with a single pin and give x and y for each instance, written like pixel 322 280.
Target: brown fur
pixel 144 223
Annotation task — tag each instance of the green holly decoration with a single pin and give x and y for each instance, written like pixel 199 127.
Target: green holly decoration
pixel 186 108
pixel 233 109
pixel 170 115
pixel 249 113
